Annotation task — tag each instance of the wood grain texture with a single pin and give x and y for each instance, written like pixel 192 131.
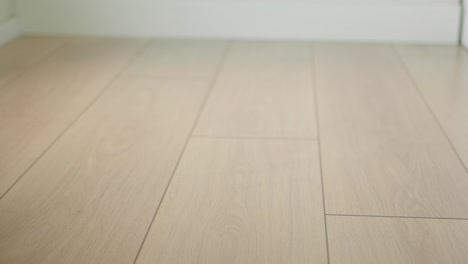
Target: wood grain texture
pixel 441 74
pixel 264 90
pixel 19 55
pixel 37 107
pixel 382 151
pixel 241 201
pixel 363 240
pixel 178 59
pixel 92 196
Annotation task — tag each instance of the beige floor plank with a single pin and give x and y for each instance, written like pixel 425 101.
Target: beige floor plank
pixel 92 196
pixel 178 59
pixel 382 151
pixel 37 107
pixel 19 55
pixel 264 90
pixel 441 74
pixel 241 201
pixel 364 240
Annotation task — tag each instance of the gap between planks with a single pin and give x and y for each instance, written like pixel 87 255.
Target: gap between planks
pixel 399 217
pixel 85 109
pixel 200 110
pixel 426 103
pixel 313 74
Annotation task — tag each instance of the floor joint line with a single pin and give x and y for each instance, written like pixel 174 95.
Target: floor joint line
pixel 428 106
pixel 255 138
pixel 36 63
pixel 313 75
pixel 189 136
pixel 74 120
pixel 400 217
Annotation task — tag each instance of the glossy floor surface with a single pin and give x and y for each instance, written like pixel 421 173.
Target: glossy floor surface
pixel 251 152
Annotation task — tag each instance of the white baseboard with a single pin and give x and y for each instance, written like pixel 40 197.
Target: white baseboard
pixel 8 30
pixel 418 22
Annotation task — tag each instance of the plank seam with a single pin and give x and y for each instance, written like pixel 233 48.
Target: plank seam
pixel 36 63
pixel 256 138
pixel 400 217
pixel 74 120
pixel 426 103
pixel 200 110
pixel 317 120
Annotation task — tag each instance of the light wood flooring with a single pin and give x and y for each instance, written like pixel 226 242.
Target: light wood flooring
pixel 124 151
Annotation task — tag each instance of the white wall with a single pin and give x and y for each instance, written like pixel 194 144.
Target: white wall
pixel 465 27
pixel 5 9
pixel 8 24
pixel 431 21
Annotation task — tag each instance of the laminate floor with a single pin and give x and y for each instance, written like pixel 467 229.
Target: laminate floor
pixel 210 151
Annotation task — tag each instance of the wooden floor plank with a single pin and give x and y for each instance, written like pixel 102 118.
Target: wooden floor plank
pixel 382 151
pixel 37 107
pixel 178 59
pixel 441 74
pixel 241 201
pixel 19 55
pixel 264 90
pixel 370 240
pixel 92 196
